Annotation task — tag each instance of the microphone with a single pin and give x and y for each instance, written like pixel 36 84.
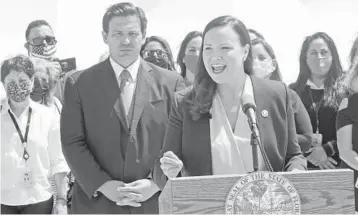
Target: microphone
pixel 249 108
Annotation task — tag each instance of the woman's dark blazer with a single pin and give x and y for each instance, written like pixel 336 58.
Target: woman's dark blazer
pixel 190 140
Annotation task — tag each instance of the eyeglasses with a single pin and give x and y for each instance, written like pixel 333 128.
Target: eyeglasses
pixel 40 40
pixel 155 53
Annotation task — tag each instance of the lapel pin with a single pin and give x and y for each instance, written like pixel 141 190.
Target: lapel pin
pixel 264 113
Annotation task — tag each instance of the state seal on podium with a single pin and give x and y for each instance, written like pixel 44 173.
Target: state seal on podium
pixel 263 193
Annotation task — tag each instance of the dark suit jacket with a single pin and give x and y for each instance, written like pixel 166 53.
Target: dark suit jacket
pixel 94 129
pixel 190 140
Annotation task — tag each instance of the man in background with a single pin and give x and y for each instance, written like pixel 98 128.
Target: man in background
pixel 41 43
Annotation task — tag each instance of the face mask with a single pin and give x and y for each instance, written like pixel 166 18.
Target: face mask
pixel 262 69
pixel 18 93
pixel 191 62
pixel 161 62
pixel 39 91
pixel 42 51
pixel 318 65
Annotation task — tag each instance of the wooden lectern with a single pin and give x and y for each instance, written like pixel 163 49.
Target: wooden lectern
pixel 320 192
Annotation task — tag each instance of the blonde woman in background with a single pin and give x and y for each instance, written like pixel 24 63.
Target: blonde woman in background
pixel 45 81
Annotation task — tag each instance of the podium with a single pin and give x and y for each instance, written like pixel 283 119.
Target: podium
pixel 319 191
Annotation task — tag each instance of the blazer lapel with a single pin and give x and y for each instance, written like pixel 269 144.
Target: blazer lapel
pixel 198 146
pixel 205 148
pixel 261 111
pixel 108 81
pixel 142 94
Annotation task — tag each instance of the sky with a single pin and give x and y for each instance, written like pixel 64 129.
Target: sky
pixel 284 23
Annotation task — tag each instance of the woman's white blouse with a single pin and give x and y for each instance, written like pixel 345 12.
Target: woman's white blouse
pixel 44 147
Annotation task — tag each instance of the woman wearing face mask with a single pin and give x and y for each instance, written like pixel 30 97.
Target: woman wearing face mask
pixel 45 79
pixel 347 122
pixel 317 86
pixel 188 56
pixel 31 151
pixel 156 50
pixel 208 133
pixel 265 66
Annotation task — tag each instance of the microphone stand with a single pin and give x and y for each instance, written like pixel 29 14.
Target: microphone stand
pixel 254 145
pixel 255 142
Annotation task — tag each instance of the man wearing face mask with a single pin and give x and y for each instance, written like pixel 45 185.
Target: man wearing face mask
pixel 157 57
pixel 156 50
pixel 41 43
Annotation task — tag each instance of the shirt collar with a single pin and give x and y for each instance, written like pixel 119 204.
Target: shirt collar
pixel 132 69
pixel 313 86
pixel 6 107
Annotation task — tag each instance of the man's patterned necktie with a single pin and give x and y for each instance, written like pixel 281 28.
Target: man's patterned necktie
pixel 125 77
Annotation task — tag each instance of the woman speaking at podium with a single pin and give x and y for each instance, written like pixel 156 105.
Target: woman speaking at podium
pixel 208 132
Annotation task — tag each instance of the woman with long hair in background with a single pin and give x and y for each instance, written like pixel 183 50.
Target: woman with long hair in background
pixel 317 86
pixel 188 56
pixel 266 66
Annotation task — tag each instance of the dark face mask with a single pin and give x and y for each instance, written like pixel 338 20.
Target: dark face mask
pixel 161 62
pixel 40 91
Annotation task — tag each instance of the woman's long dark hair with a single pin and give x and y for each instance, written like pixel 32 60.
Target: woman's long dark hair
pixel 166 47
pixel 331 82
pixel 276 74
pixel 191 35
pixel 201 97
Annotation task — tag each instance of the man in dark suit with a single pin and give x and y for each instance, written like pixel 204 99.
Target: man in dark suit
pixel 113 121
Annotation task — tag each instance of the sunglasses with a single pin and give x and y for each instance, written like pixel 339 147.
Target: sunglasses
pixel 40 40
pixel 155 53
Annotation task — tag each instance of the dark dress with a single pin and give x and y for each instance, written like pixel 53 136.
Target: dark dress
pixel 327 121
pixel 349 116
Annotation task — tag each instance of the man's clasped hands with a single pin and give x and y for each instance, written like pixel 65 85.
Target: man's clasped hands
pixel 131 194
